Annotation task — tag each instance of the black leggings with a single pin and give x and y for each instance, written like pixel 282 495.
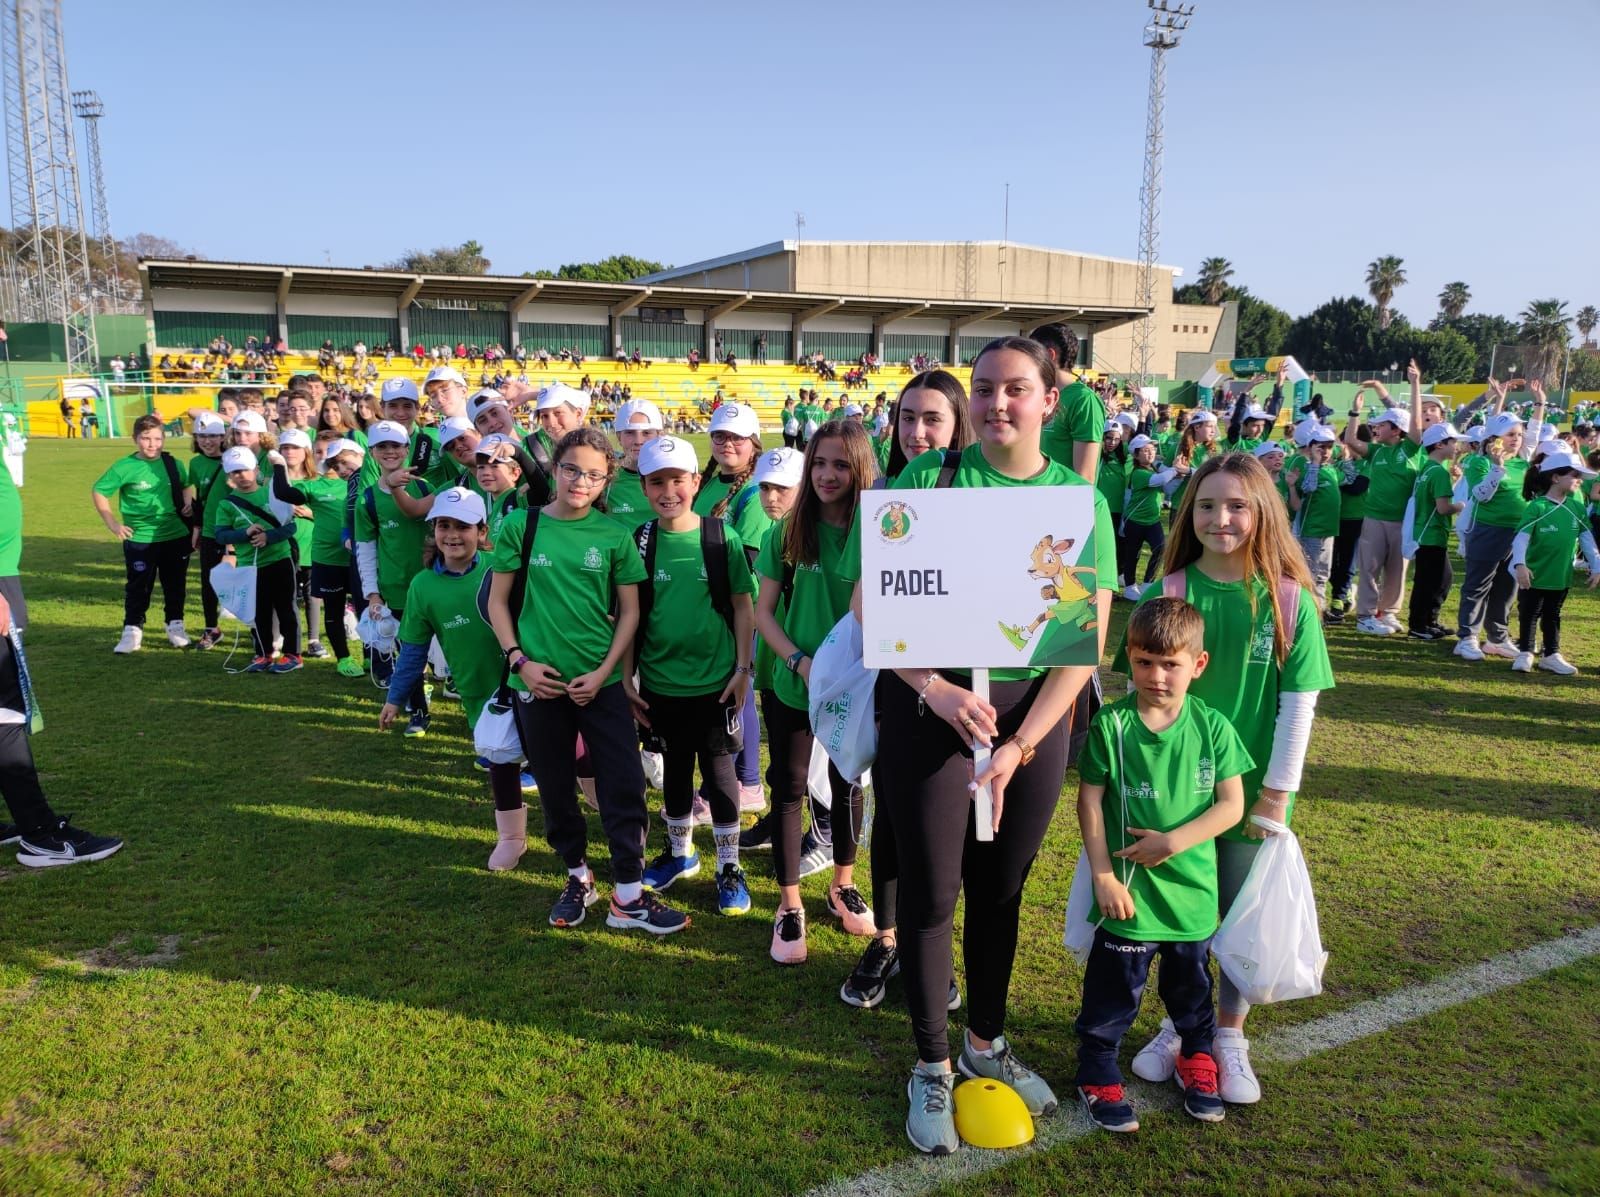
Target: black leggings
pixel 1344 559
pixel 921 776
pixel 1544 608
pixel 328 583
pixel 211 554
pixel 789 742
pixel 19 780
pixel 166 559
pixel 885 869
pixel 690 729
pixel 275 597
pixel 1431 580
pixel 1134 537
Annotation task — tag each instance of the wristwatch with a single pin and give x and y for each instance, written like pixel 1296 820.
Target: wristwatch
pixel 1026 749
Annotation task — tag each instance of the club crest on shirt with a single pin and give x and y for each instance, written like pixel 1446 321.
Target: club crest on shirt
pixel 1261 643
pixel 1205 774
pixel 591 559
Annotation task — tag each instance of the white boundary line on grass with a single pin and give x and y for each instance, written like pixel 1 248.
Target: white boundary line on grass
pixel 916 1174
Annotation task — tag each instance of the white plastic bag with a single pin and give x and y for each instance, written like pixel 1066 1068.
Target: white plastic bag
pixel 495 737
pixel 1408 539
pixel 1269 945
pixel 236 590
pixel 1077 936
pixel 841 700
pixel 1467 517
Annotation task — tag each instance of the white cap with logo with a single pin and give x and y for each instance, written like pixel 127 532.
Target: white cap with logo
pixel 667 453
pixel 458 503
pixel 1268 448
pixel 294 436
pixel 1501 423
pixel 1434 433
pixel 249 421
pixel 453 427
pixel 558 393
pixel 781 467
pixel 1140 441
pixel 437 374
pixel 628 416
pixel 488 397
pixel 208 423
pixel 1398 416
pixel 387 432
pixel 1565 460
pixel 238 458
pixel 397 390
pixel 342 445
pixel 738 418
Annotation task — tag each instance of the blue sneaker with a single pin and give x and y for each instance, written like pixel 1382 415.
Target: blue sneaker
pixel 529 786
pixel 481 764
pixel 733 891
pixel 649 913
pixel 666 868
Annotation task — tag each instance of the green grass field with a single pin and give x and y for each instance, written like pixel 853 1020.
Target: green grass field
pixel 298 978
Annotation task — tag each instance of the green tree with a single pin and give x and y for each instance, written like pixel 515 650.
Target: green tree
pixel 1546 327
pixel 1584 373
pixel 1586 319
pixel 1341 334
pixel 466 258
pixel 1444 354
pixel 1385 276
pixel 1484 333
pixel 1453 300
pixel 618 268
pixel 1213 279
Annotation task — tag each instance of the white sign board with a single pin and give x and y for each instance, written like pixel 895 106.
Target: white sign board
pixel 979 577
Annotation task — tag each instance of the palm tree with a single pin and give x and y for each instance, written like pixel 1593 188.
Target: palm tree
pixel 1546 327
pixel 1586 319
pixel 1385 276
pixel 1214 276
pixel 1453 300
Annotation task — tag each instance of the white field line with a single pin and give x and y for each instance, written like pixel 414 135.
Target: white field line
pixel 917 1174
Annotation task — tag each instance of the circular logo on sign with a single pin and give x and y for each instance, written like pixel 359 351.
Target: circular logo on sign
pixel 895 520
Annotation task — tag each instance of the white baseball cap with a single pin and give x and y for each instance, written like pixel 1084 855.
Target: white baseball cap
pixel 1398 416
pixel 1112 426
pixel 1477 433
pixel 387 432
pixel 667 453
pixel 1501 423
pixel 486 398
pixel 437 374
pixel 1436 400
pixel 395 390
pixel 781 467
pixel 1434 433
pixel 342 445
pixel 1304 429
pixel 1127 418
pixel 1548 432
pixel 294 436
pixel 1564 460
pixel 638 407
pixel 1140 441
pixel 852 409
pixel 1254 411
pixel 458 503
pixel 238 458
pixel 249 421
pixel 558 393
pixel 209 424
pixel 1202 416
pixel 1268 448
pixel 737 418
pixel 1321 434
pixel 453 427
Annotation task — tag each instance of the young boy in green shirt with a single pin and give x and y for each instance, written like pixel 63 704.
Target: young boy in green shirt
pixel 1160 781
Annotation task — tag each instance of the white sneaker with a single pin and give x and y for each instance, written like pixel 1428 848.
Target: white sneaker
pixel 132 639
pixel 1501 648
pixel 1556 663
pixel 1237 1084
pixel 176 636
pixel 277 645
pixel 1467 649
pixel 1373 627
pixel 1523 663
pixel 654 769
pixel 1159 1057
pixel 352 629
pixel 1388 620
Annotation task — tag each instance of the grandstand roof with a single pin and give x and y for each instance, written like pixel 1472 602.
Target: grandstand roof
pixel 517 290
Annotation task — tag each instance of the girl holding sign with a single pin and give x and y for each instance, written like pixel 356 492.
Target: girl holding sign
pixel 1234 557
pixel 930 720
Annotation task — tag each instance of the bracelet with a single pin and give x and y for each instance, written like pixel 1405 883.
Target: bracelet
pixel 521 660
pixel 922 691
pixel 794 660
pixel 745 669
pixel 508 651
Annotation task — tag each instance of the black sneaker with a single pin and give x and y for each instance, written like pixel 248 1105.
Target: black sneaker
pixel 864 987
pixel 1108 1108
pixel 576 897
pixel 63 844
pixel 1333 615
pixel 417 725
pixel 815 855
pixel 10 833
pixel 1431 633
pixel 757 835
pixel 649 913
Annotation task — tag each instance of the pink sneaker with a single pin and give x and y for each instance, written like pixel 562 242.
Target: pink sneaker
pixel 789 937
pixel 752 798
pixel 586 785
pixel 513 825
pixel 700 812
pixel 847 905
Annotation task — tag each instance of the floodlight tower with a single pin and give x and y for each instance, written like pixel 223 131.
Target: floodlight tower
pixel 87 104
pixel 1167 23
pixel 51 251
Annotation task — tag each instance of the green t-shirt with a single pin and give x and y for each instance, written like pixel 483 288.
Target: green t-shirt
pixel 240 511
pixel 574 569
pixel 1319 509
pixel 820 597
pixel 975 470
pixel 1243 680
pixel 446 605
pixel 748 518
pixel 1142 503
pixel 10 525
pixel 765 659
pixel 688 648
pixel 143 490
pixel 1352 507
pixel 1197 455
pixel 712 488
pixel 625 501
pixel 499 508
pixel 1393 470
pixel 1505 509
pixel 1167 778
pixel 1244 444
pixel 1553 531
pixel 1428 526
pixel 325 496
pixel 206 477
pixel 1111 480
pixel 1080 419
pixel 399 539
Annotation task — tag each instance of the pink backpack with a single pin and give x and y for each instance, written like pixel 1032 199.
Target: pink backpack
pixel 1176 585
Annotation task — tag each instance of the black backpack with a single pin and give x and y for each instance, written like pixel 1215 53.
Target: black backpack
pixel 714 551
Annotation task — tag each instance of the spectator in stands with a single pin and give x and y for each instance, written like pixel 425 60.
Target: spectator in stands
pixel 388 353
pixel 716 348
pixel 418 354
pixel 620 356
pixel 461 349
pixel 67 417
pixel 119 370
pixel 543 355
pixel 638 362
pixel 694 359
pixel 732 362
pixel 361 352
pixel 325 356
pixel 577 357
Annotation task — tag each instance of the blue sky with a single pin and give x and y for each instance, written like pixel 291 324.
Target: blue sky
pixel 1302 141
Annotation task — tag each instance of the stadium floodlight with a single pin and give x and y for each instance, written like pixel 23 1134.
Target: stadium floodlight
pixel 1167 23
pixel 88 106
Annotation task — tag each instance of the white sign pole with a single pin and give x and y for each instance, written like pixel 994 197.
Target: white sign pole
pixel 982 798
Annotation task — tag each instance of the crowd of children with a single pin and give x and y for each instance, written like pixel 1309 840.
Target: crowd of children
pixel 643 619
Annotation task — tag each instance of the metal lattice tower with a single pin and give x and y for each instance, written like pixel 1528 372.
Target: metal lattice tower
pixel 87 104
pixel 49 265
pixel 1167 24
